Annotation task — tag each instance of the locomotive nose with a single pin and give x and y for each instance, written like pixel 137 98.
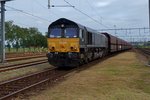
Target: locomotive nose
pixel 62 46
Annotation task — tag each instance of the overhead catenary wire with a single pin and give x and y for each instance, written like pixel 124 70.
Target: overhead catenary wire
pixel 40 4
pixel 86 14
pixel 28 14
pixel 23 25
pixel 93 9
pixel 44 7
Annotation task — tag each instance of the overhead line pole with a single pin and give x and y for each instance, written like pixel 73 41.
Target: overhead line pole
pixel 49 4
pixel 149 11
pixel 2 31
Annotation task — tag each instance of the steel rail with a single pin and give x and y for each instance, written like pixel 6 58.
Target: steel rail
pixel 14 86
pixel 22 65
pixel 145 51
pixel 23 58
pixel 12 55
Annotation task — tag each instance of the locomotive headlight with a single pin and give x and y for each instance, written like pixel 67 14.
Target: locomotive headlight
pixel 73 48
pixel 62 25
pixel 52 48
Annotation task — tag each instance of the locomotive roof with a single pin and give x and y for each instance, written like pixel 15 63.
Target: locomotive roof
pixel 65 21
pixel 69 22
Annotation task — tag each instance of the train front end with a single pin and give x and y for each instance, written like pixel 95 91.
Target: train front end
pixel 63 43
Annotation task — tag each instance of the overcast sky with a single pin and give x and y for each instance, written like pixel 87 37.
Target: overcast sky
pixel 122 13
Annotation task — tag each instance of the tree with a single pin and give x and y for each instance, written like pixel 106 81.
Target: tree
pixel 9 33
pixel 17 34
pixel 24 38
pixel 17 37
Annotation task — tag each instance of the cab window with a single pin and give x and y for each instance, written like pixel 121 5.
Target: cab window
pixel 81 34
pixel 70 32
pixel 55 33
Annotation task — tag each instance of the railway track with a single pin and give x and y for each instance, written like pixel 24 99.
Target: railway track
pixel 24 58
pixel 22 65
pixel 12 55
pixel 146 51
pixel 12 87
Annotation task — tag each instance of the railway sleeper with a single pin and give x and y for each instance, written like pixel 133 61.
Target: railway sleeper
pixel 8 91
pixel 3 94
pixel 15 86
pixel 11 86
pixel 12 89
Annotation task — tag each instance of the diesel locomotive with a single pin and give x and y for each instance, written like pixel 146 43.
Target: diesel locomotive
pixel 71 44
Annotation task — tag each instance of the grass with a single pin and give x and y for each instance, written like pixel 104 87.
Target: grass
pixel 122 77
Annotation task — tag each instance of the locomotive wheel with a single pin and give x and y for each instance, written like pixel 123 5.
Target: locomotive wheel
pixel 81 62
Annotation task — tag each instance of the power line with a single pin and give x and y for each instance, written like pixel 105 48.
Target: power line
pixel 37 2
pixel 28 13
pixel 86 14
pixel 92 8
pixel 125 29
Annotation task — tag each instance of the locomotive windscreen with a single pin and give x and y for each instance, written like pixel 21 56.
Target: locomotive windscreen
pixel 55 33
pixel 63 32
pixel 70 32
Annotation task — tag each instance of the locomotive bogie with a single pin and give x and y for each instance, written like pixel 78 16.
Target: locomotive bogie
pixel 63 59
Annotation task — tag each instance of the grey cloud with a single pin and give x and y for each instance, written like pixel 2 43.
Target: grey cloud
pixel 122 13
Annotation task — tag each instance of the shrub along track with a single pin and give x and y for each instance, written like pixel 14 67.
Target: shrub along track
pixel 12 87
